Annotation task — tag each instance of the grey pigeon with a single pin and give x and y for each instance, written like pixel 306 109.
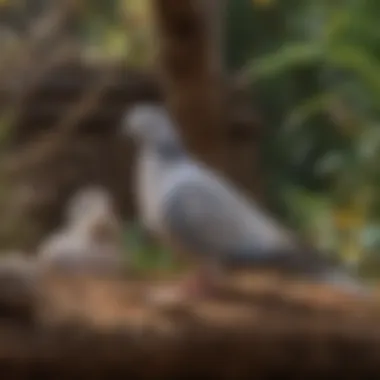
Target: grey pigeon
pixel 201 214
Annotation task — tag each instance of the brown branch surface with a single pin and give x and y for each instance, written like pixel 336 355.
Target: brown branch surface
pixel 257 327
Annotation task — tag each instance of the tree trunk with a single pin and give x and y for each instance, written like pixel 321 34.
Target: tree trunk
pixel 220 129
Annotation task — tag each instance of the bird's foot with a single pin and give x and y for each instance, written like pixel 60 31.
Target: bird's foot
pixel 193 288
pixel 198 286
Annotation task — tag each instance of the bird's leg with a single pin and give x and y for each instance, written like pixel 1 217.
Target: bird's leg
pixel 202 282
pixel 197 284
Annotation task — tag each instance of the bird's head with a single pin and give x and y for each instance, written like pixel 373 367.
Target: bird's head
pixel 152 126
pixel 88 203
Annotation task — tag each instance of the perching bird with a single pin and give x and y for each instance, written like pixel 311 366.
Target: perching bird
pixel 200 213
pixel 91 240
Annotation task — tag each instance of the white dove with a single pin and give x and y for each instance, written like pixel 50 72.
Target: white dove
pixel 91 239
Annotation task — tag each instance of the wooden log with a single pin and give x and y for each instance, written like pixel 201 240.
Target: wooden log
pixel 257 327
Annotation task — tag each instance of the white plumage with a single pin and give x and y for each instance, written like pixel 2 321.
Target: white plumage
pixel 91 239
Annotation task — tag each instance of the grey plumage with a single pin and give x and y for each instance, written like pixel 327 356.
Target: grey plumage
pixel 203 214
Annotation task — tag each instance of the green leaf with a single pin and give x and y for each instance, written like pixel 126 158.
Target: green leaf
pixel 360 62
pixel 283 59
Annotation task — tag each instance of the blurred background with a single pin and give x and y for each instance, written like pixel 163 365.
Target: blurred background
pixel 69 69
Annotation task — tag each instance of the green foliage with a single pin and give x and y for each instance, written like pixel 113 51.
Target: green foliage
pixel 117 29
pixel 146 255
pixel 316 66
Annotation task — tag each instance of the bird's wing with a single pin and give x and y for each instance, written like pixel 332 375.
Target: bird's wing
pixel 206 216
